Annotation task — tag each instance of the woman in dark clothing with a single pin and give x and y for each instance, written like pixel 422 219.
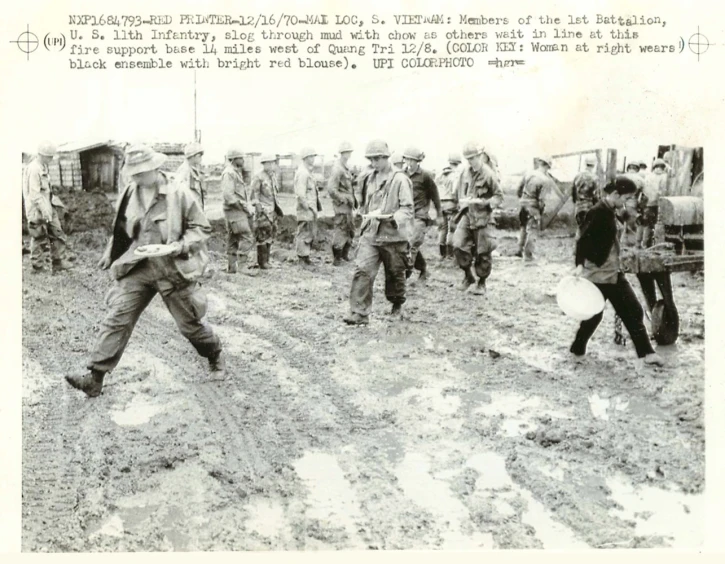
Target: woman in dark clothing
pixel 597 260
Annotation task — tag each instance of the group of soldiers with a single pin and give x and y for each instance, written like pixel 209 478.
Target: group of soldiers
pixel 390 199
pixel 640 211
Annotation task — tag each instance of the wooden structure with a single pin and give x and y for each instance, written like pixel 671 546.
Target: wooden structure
pixel 89 166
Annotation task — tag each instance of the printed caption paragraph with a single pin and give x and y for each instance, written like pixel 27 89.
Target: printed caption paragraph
pixel 348 41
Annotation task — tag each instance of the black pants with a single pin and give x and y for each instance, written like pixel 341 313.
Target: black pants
pixel 627 306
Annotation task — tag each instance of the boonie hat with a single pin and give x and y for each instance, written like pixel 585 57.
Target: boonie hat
pixel 141 158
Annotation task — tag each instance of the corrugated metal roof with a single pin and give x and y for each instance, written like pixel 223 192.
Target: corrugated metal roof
pixel 81 146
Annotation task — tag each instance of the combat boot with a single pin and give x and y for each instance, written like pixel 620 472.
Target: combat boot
pixel 91 383
pixel 396 310
pixel 443 250
pixel 356 319
pixel 246 270
pixel 306 263
pixel 450 251
pixel 262 257
pixel 232 264
pixel 337 257
pixel 468 279
pixel 346 252
pixel 217 365
pixel 61 264
pixel 479 289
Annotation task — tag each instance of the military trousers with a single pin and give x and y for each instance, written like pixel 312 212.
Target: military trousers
pixel 393 257
pixel 306 231
pixel 529 218
pixel 447 227
pixel 129 297
pixel 471 241
pixel 420 228
pixel 344 230
pixel 47 241
pixel 240 236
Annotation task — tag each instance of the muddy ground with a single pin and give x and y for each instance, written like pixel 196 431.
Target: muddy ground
pixel 466 425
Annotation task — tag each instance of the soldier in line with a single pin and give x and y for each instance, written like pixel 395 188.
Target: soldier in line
pixel 446 183
pixel 264 193
pixel 239 210
pixel 47 243
pixel 531 192
pixel 308 206
pixel 454 161
pixel 479 192
pixel 655 185
pixel 152 210
pixel 585 190
pixel 425 191
pixel 387 201
pixel 642 168
pixel 397 161
pixel 189 174
pixel 339 186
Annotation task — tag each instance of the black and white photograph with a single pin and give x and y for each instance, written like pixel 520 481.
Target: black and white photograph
pixel 405 276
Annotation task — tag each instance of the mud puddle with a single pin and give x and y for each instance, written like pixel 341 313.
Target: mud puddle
pixel 677 516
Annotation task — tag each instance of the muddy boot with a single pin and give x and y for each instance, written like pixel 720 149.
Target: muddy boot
pixel 61 265
pixel 653 359
pixel 262 257
pixel 479 289
pixel 306 263
pixel 246 270
pixel 396 310
pixel 337 257
pixel 443 249
pixel 346 252
pixel 91 383
pixel 356 319
pixel 232 264
pixel 450 252
pixel 468 279
pixel 38 269
pixel 217 365
pixel 423 277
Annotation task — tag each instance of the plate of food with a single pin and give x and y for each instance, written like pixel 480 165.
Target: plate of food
pixel 150 251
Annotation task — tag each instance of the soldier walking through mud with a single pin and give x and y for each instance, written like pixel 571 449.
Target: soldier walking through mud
pixel 239 210
pixel 425 191
pixel 152 210
pixel 264 193
pixel 47 243
pixel 531 191
pixel 308 206
pixel 387 205
pixel 597 260
pixel 340 188
pixel 189 174
pixel 447 184
pixel 585 190
pixel 479 192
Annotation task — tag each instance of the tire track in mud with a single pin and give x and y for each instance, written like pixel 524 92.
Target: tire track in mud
pixel 50 480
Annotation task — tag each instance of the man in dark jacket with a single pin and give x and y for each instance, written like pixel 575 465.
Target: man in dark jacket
pixel 597 260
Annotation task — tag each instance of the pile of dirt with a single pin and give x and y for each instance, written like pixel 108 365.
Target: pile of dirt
pixel 86 211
